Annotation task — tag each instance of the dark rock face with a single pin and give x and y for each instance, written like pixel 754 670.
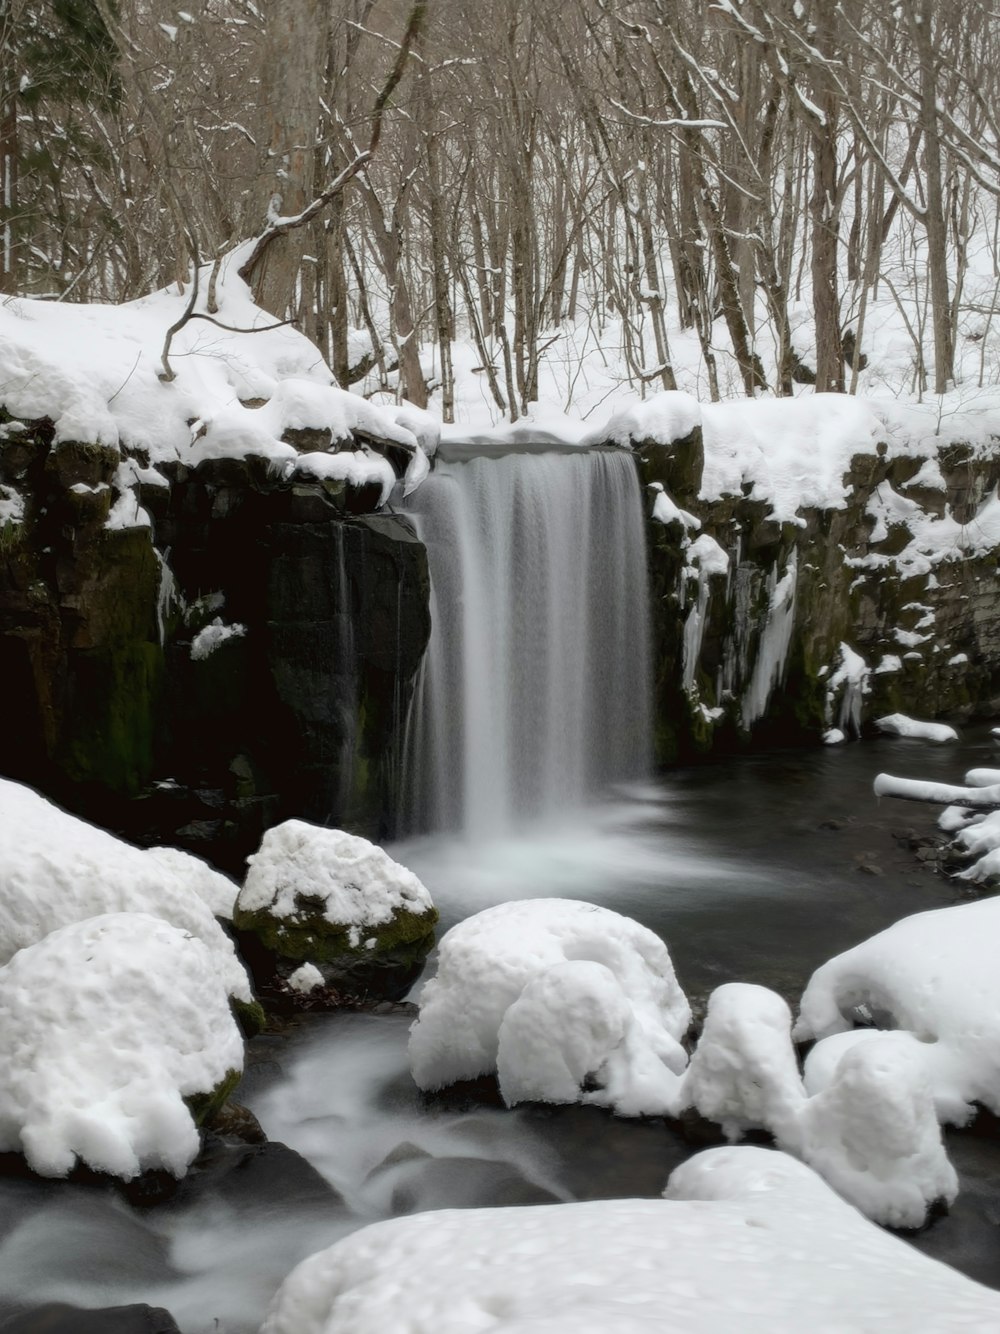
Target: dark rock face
pixel 58 1318
pixel 930 627
pixel 299 713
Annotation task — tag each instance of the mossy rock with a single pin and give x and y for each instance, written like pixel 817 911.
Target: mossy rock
pixel 310 937
pixel 204 1106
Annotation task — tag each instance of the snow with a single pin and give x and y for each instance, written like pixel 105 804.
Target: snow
pixel 212 636
pixel 358 884
pixel 106 1025
pixel 56 869
pixel 305 978
pixel 794 453
pixel 360 467
pixel 899 725
pixel 746 1239
pixel 743 1073
pixel 492 993
pixel 661 420
pixel 666 510
pixel 94 370
pixel 214 889
pixel 869 1127
pixel 873 1132
pixel 934 975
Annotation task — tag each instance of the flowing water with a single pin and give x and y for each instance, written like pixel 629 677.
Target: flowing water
pixel 755 869
pixel 535 688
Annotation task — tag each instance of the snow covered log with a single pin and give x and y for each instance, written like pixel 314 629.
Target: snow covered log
pixel 938 794
pixel 745 1239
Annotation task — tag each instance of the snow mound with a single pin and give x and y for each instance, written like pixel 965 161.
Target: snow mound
pixel 794 452
pixel 743 1074
pixel 56 869
pixel 357 883
pixel 746 1239
pixel 871 1128
pixel 214 889
pixel 897 724
pixel 935 975
pixel 555 990
pixel 661 420
pixel 873 1133
pixel 106 1026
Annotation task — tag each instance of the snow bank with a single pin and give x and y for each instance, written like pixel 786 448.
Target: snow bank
pixel 351 882
pixel 574 1001
pixel 661 420
pixel 106 1026
pixel 934 974
pixel 56 869
pixel 794 453
pixel 94 370
pixel 897 724
pixel 746 1239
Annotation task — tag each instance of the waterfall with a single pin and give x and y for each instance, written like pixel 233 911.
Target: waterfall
pixel 535 686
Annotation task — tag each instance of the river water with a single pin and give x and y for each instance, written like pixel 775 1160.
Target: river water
pixel 755 869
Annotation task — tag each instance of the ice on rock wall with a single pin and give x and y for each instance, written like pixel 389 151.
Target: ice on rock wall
pixel 775 640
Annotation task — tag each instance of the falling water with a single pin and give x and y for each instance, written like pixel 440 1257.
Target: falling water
pixel 535 688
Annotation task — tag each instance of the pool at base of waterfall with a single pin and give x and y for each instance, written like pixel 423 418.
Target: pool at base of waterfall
pixel 756 869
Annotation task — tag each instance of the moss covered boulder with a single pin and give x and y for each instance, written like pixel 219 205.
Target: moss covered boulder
pixel 332 899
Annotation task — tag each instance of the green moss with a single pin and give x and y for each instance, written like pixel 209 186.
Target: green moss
pixel 309 936
pixel 249 1015
pixel 110 727
pixel 203 1106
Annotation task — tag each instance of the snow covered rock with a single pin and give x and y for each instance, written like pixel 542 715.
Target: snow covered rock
pixel 567 1001
pixel 107 1026
pixel 216 890
pixel 56 869
pixel 335 900
pixel 869 1128
pixel 873 1133
pixel 934 974
pixel 747 1239
pixel 743 1073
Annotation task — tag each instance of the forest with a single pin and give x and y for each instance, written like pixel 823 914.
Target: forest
pixel 761 175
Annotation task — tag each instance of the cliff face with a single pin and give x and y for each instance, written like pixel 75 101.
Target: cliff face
pixel 770 632
pixel 257 662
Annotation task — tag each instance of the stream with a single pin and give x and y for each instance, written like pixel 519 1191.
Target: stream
pixel 756 869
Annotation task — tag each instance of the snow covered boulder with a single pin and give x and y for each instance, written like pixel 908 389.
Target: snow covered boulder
pixel 115 1035
pixel 334 900
pixel 935 975
pixel 566 1001
pixel 746 1239
pixel 898 724
pixel 743 1073
pixel 56 869
pixel 874 1135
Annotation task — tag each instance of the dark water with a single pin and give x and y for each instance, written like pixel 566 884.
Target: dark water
pixel 757 869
